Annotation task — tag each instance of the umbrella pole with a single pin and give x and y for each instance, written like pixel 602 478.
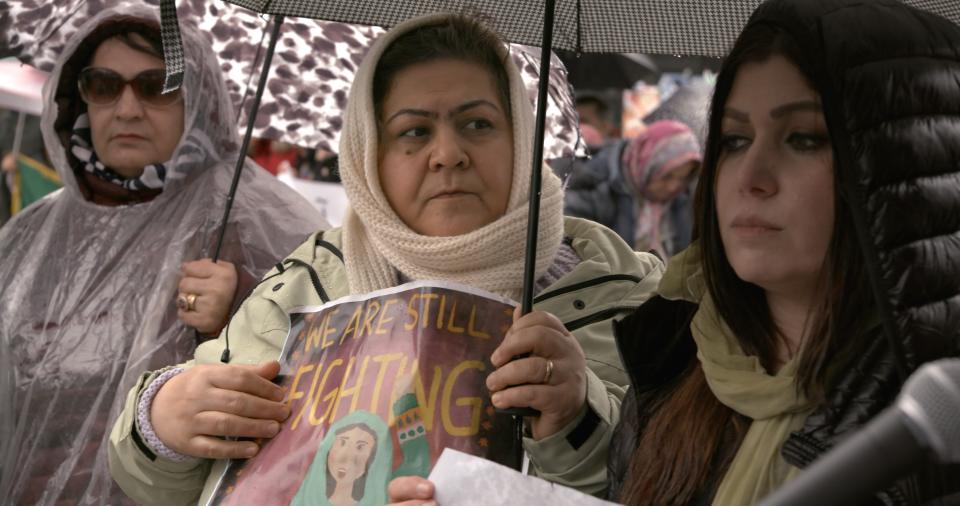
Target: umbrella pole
pixel 533 215
pixel 18 133
pixel 251 119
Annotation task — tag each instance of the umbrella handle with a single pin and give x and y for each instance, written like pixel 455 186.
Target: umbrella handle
pixel 521 412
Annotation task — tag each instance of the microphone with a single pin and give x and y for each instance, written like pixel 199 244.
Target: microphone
pixel 924 420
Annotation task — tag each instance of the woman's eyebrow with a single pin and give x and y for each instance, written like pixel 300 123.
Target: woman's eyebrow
pixel 799 106
pixel 466 106
pixel 414 112
pixel 734 114
pixel 472 104
pixel 776 112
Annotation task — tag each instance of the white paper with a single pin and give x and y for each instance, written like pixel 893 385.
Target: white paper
pixel 465 480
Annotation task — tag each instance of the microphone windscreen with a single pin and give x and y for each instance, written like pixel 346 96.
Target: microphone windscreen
pixel 931 400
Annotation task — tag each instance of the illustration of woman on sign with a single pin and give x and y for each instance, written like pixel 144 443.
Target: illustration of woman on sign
pixel 348 462
pixel 352 464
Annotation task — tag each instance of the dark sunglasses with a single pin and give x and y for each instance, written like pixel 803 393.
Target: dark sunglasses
pixel 100 86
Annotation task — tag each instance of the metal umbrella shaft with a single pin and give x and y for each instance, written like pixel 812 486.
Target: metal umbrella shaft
pixel 252 118
pixel 533 216
pixel 274 35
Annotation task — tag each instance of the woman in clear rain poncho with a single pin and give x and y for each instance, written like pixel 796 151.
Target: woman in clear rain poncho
pixel 90 274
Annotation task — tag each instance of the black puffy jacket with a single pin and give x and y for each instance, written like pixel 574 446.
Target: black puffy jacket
pixel 889 79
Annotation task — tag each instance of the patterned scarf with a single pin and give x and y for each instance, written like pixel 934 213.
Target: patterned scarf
pixel 153 177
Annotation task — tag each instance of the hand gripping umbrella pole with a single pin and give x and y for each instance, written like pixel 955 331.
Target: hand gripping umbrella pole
pixel 533 215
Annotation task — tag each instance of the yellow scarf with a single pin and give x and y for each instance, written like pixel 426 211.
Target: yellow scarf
pixel 740 382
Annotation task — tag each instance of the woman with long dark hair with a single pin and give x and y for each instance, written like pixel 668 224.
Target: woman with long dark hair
pixel 827 224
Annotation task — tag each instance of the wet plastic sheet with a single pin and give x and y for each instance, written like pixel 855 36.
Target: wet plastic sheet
pixel 378 386
pixel 87 301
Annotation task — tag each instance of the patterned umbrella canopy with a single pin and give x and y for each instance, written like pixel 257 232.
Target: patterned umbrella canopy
pixel 309 77
pixel 684 27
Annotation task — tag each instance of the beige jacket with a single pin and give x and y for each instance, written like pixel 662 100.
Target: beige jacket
pixel 610 281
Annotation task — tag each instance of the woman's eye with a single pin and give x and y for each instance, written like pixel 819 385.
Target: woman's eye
pixel 479 124
pixel 807 142
pixel 414 132
pixel 733 143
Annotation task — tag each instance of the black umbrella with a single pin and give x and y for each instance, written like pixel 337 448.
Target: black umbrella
pixel 687 105
pixel 678 27
pixel 597 71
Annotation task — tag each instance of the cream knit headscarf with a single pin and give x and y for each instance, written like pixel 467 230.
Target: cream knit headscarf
pixel 377 244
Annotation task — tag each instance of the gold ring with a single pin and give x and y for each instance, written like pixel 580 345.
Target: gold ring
pixel 186 301
pixel 549 373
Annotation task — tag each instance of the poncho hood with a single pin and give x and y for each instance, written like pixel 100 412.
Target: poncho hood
pixel 210 133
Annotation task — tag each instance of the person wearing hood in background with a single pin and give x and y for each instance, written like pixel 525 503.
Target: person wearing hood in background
pixel 93 275
pixel 833 156
pixel 435 157
pixel 640 187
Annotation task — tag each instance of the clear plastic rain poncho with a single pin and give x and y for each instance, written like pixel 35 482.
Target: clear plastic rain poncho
pixel 88 291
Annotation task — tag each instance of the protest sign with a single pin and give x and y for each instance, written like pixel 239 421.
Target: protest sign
pixel 378 386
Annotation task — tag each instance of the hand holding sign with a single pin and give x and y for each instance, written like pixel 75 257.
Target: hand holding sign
pixel 195 408
pixel 552 379
pixel 411 491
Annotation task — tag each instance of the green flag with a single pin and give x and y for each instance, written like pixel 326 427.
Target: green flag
pixel 32 181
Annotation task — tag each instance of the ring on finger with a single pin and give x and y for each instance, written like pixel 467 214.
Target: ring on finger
pixel 187 301
pixel 549 373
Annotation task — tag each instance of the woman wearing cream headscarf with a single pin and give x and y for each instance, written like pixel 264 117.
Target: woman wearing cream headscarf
pixel 435 159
